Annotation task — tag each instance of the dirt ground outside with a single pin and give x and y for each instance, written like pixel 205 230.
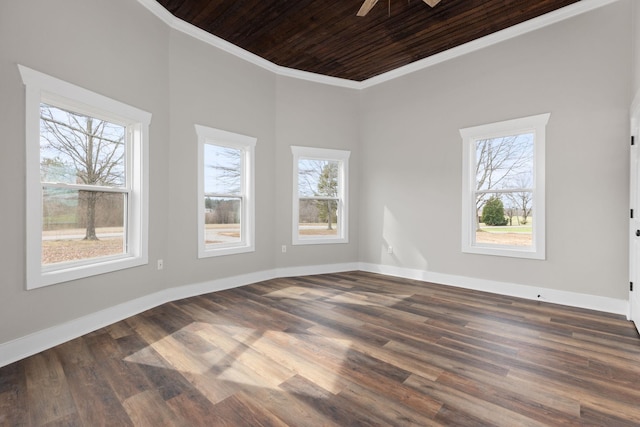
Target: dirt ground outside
pixel 230 233
pixel 517 234
pixel 222 233
pixel 68 244
pixel 508 239
pixel 317 229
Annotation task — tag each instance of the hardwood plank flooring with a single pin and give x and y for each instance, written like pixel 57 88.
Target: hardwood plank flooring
pixel 348 349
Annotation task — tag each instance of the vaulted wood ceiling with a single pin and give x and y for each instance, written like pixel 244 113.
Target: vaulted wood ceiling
pixel 326 37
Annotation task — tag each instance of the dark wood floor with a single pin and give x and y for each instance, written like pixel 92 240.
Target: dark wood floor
pixel 338 350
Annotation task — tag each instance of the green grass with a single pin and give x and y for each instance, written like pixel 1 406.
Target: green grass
pixel 60 219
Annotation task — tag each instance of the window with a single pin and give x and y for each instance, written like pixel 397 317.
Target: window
pixel 86 182
pixel 225 192
pixel 320 195
pixel 503 210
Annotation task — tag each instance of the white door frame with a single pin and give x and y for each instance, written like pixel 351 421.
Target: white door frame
pixel 634 217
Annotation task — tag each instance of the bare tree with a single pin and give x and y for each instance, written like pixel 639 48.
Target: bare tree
pixel 93 149
pixel 223 184
pixel 318 180
pixel 525 204
pixel 225 164
pixel 328 186
pixel 522 199
pixel 498 162
pixel 510 212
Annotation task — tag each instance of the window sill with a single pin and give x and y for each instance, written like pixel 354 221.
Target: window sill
pixel 512 252
pixel 208 253
pixel 319 241
pixel 75 271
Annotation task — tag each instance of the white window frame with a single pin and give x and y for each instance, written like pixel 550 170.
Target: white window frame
pixel 532 124
pixel 342 157
pixel 212 136
pixel 41 87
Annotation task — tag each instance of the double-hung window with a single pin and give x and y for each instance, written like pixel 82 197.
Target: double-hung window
pixel 320 195
pixel 503 197
pixel 225 192
pixel 86 182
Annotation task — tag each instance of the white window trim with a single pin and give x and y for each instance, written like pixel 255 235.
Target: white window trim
pixel 208 135
pixel 42 87
pixel 341 156
pixel 533 124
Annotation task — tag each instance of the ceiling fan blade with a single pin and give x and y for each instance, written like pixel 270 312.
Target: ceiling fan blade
pixel 431 2
pixel 367 6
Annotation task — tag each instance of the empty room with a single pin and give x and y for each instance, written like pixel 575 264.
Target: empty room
pixel 305 213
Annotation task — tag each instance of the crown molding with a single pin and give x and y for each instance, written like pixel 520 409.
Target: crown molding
pixel 562 14
pixel 179 25
pixel 534 24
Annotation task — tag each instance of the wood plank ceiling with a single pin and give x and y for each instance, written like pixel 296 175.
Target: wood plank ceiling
pixel 326 37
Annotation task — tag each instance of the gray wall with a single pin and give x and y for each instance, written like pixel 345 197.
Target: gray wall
pixel 181 81
pixel 636 46
pixel 80 42
pixel 314 115
pixel 405 162
pixel 579 70
pixel 213 88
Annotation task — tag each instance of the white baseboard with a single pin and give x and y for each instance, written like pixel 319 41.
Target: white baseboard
pixel 36 342
pixel 573 299
pixel 317 269
pixel 44 339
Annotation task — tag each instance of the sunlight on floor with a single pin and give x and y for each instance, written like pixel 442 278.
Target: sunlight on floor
pixel 300 293
pixel 219 359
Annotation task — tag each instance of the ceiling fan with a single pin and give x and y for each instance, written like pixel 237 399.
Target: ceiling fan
pixel 368 5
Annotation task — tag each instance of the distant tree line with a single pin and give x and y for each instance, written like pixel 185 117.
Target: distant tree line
pixel 222 211
pixel 64 211
pixel 320 211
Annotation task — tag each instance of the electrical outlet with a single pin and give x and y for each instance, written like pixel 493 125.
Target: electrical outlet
pixel 284 249
pixel 160 264
pixel 390 249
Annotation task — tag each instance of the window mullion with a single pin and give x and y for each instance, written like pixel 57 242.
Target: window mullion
pixel 226 211
pixel 318 198
pixel 84 187
pixel 85 221
pixel 511 154
pixel 505 190
pixel 318 218
pixel 224 195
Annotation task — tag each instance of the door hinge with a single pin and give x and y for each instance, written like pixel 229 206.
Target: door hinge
pixel 633 140
pixel 631 286
pixel 631 213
